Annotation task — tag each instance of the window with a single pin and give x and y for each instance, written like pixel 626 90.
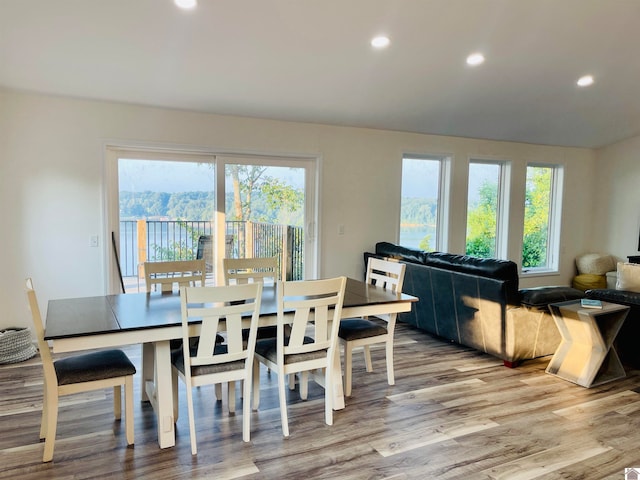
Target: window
pixel 541 240
pixel 485 208
pixel 421 205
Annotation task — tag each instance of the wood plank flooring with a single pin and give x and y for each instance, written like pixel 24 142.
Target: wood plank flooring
pixel 453 413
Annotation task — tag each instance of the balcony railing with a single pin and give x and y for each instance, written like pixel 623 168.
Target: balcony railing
pixel 161 240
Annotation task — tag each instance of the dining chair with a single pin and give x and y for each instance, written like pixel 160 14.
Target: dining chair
pixel 221 310
pixel 240 271
pixel 79 373
pixel 363 332
pixel 312 310
pixel 182 272
pixel 248 270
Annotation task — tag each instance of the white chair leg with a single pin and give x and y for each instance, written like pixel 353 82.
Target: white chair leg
pixel 367 358
pixel 283 404
pixel 43 420
pixel 292 381
pixel 128 405
pixel 192 422
pixel 232 396
pixel 389 353
pixel 52 422
pixel 256 385
pixel 117 402
pixel 303 380
pixel 348 368
pixel 328 395
pixel 218 391
pixel 246 409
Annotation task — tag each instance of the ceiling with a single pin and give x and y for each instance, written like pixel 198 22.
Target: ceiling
pixel 311 61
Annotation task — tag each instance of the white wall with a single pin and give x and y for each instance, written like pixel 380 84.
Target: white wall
pixel 616 212
pixel 51 186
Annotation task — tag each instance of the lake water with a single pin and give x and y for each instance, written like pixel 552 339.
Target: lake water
pixel 412 236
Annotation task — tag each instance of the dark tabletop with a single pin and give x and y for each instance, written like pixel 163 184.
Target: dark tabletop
pixel 136 311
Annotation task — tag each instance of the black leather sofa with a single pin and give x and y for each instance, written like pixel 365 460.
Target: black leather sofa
pixel 476 302
pixel 627 343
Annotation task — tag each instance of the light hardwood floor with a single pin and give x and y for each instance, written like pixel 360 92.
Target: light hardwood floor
pixel 453 413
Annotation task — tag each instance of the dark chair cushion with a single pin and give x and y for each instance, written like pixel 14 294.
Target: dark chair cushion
pixel 93 366
pixel 268 349
pixel 356 328
pixel 543 296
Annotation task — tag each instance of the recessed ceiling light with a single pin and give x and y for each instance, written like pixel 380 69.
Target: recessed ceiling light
pixel 380 41
pixel 186 4
pixel 475 59
pixel 585 81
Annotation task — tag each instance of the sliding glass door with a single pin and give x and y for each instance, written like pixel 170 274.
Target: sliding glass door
pixel 181 206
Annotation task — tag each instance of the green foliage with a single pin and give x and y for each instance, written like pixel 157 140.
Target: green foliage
pixel 482 217
pixel 419 211
pixel 178 250
pixel 536 219
pixel 425 243
pixel 198 206
pixel 481 222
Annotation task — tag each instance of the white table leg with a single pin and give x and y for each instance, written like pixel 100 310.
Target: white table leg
pixel 161 396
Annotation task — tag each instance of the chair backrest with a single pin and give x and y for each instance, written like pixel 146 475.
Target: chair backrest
pixel 317 309
pixel 43 346
pixel 247 270
pixel 183 272
pixel 205 251
pixel 222 310
pixel 386 274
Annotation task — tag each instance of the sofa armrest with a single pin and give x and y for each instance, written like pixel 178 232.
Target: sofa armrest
pixel 541 297
pixel 624 297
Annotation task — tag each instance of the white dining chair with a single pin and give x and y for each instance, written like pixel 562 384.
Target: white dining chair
pixel 312 310
pixel 79 373
pixel 182 273
pixel 249 270
pixel 364 332
pixel 221 310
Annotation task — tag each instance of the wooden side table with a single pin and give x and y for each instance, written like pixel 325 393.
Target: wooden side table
pixel 586 355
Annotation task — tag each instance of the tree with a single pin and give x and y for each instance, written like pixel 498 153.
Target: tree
pixel 252 189
pixel 481 222
pixel 536 217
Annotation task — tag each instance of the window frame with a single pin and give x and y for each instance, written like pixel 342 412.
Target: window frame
pixel 556 192
pixel 502 208
pixel 443 198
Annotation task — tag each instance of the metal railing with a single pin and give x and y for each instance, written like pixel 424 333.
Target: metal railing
pixel 161 240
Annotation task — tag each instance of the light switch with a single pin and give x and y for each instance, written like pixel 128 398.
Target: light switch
pixel 93 241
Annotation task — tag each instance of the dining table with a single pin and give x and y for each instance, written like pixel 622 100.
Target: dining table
pixel 154 319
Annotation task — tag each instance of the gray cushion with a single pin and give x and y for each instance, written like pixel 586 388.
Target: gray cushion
pixel 356 328
pixel 93 366
pixel 267 348
pixel 177 359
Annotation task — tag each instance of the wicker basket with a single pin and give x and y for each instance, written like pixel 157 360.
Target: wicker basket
pixel 16 345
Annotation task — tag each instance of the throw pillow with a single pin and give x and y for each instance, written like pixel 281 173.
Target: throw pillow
pixel 628 277
pixel 595 263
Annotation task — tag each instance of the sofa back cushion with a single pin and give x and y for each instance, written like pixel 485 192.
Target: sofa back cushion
pixel 502 270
